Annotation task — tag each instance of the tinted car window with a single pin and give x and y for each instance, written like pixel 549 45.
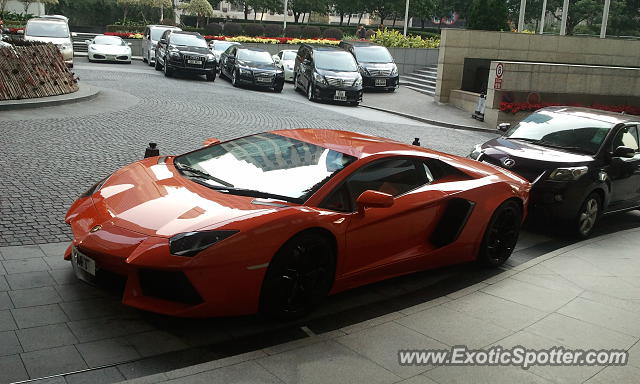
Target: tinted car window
pixel 560 130
pixel 256 56
pixel 188 40
pixel 335 61
pixel 269 163
pixel 373 55
pixel 627 137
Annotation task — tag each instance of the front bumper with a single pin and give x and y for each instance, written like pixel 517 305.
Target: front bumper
pixel 370 82
pixel 328 93
pixel 250 79
pixel 182 66
pixel 557 200
pixel 114 58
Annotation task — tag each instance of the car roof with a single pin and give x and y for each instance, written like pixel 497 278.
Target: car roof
pixel 360 43
pixel 47 20
pixel 162 26
pixel 319 47
pixel 594 114
pixel 186 33
pixel 352 143
pixel 252 49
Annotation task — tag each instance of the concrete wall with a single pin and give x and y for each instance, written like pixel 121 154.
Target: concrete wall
pixel 457 44
pixel 36 9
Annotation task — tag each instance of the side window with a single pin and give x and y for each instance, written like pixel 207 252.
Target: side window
pixel 280 55
pixel 146 33
pixel 393 176
pixel 628 137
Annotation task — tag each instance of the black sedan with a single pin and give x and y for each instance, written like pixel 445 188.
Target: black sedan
pixel 251 66
pixel 583 163
pixel 185 52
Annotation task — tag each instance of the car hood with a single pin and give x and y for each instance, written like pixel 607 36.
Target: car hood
pixel 154 199
pixel 258 65
pixel 380 66
pixel 110 49
pixel 529 160
pixel 342 74
pixel 192 50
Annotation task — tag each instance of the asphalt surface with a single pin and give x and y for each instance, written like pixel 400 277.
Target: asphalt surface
pixel 52 154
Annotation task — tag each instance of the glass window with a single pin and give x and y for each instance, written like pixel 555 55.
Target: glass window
pixel 255 56
pixel 627 137
pixel 373 55
pixel 272 164
pixel 157 33
pixel 188 40
pixel 108 40
pixel 571 132
pixel 335 61
pixel 289 55
pixel 55 29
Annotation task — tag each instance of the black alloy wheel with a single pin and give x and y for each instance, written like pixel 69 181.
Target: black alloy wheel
pixel 211 76
pixel 298 277
pixel 278 88
pixel 234 78
pixel 310 92
pixel 168 72
pixel 157 65
pixel 588 216
pixel 501 235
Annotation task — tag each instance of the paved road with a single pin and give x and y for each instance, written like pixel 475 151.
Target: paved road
pixel 51 155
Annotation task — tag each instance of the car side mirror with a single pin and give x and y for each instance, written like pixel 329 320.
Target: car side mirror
pixel 504 127
pixel 373 199
pixel 129 44
pixel 210 141
pixel 162 41
pixel 623 151
pixel 73 34
pixel 88 42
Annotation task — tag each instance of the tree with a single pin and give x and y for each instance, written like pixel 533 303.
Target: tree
pixel 488 15
pixel 160 4
pixel 27 3
pixel 125 5
pixel 579 11
pixel 423 10
pixel 198 8
pixel 346 7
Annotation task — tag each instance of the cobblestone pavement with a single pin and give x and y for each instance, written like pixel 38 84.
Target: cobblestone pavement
pixel 51 155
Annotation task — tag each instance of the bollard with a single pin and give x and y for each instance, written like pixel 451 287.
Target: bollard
pixel 416 141
pixel 152 150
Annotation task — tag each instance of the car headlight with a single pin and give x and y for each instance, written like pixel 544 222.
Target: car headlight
pixel 476 153
pixel 245 71
pixel 568 174
pixel 211 57
pixel 188 244
pixel 364 70
pixel 290 67
pixel 174 54
pixel 95 188
pixel 394 70
pixel 318 78
pixel 358 82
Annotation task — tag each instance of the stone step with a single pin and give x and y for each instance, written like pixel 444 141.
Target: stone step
pixel 428 71
pixel 417 80
pixel 419 75
pixel 421 90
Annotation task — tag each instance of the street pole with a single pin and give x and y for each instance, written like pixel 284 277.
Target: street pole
pixel 523 7
pixel 544 16
pixel 565 15
pixel 406 17
pixel 605 19
pixel 285 14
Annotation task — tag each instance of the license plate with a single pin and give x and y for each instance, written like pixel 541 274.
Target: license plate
pixel 340 95
pixel 195 62
pixel 381 82
pixel 85 263
pixel 264 80
pixel 110 57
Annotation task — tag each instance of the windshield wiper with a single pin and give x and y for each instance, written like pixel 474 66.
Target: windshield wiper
pixel 201 174
pixel 524 139
pixel 552 145
pixel 252 193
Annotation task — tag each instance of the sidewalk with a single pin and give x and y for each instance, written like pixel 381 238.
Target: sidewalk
pixel 581 296
pixel 418 106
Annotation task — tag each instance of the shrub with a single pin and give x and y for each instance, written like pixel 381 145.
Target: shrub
pixel 273 30
pixel 310 32
pixel 232 29
pixel 393 38
pixel 166 21
pixel 292 31
pixel 332 33
pixel 214 29
pixel 370 33
pixel 253 29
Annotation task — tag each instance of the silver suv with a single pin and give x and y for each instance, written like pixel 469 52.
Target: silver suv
pixel 150 38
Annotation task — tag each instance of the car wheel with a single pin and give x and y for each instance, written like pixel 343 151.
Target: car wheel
pixel 295 82
pixel 234 78
pixel 310 92
pixel 167 71
pixel 157 65
pixel 211 76
pixel 501 235
pixel 588 215
pixel 298 277
pixel 278 88
pixel 144 59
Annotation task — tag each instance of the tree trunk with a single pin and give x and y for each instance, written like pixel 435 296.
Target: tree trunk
pixel 26 7
pixel 125 10
pixel 349 20
pixel 246 12
pixel 262 15
pixel 395 17
pixel 360 18
pixel 422 23
pixel 161 12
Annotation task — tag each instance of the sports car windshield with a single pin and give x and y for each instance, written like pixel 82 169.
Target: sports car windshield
pixel 571 132
pixel 264 165
pixel 373 55
pixel 335 61
pixel 108 40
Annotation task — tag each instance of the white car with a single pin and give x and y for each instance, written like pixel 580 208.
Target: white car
pixel 150 37
pixel 51 30
pixel 218 46
pixel 108 48
pixel 286 59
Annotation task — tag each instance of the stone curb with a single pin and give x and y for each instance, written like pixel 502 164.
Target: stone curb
pixel 84 93
pixel 433 122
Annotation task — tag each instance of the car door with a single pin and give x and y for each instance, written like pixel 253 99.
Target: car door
pixel 306 68
pixel 230 59
pixel 380 241
pixel 145 43
pixel 624 172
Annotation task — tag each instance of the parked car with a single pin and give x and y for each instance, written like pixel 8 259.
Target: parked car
pixel 108 48
pixel 217 47
pixel 275 221
pixel 51 30
pixel 583 163
pixel 251 66
pixel 150 38
pixel 327 73
pixel 286 60
pixel 377 67
pixel 179 51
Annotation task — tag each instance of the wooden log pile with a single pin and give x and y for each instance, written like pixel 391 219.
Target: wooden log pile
pixel 31 69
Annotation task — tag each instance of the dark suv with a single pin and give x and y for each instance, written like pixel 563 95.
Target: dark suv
pixel 185 52
pixel 377 67
pixel 327 73
pixel 582 162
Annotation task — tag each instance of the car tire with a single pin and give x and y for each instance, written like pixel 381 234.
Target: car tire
pixel 211 76
pixel 278 88
pixel 501 235
pixel 157 65
pixel 299 276
pixel 295 82
pixel 310 93
pixel 588 215
pixel 167 70
pixel 234 79
pixel 144 60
